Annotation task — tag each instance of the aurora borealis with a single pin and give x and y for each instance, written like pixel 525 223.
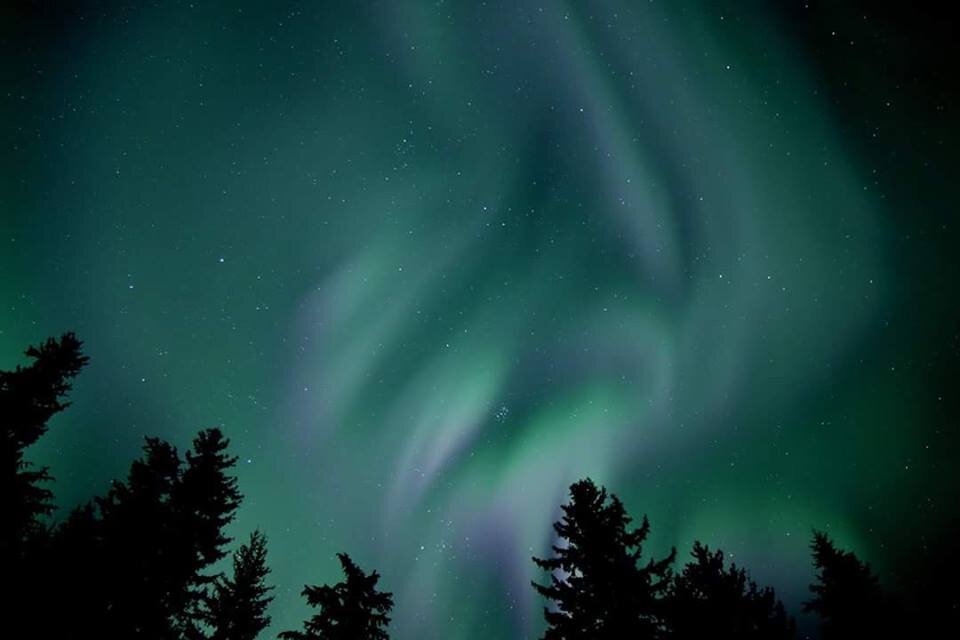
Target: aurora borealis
pixel 428 263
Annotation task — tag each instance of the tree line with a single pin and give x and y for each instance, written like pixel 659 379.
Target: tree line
pixel 138 562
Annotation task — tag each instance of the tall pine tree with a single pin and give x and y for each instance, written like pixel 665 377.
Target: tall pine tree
pixel 709 600
pixel 29 397
pixel 156 535
pixel 597 588
pixel 350 610
pixel 847 595
pixel 206 496
pixel 205 501
pixel 237 608
pixel 134 563
pixel 145 571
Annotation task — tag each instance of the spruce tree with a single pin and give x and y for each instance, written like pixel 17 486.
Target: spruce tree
pixel 237 608
pixel 350 610
pixel 80 590
pixel 143 557
pixel 597 588
pixel 159 532
pixel 133 563
pixel 29 397
pixel 204 500
pixel 709 600
pixel 847 595
pixel 206 496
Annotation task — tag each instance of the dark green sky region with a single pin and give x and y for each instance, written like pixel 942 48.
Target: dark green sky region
pixel 427 263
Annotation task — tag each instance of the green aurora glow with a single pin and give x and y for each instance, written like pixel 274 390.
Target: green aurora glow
pixel 429 264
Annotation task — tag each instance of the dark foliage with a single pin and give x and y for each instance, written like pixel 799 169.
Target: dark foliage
pixel 133 563
pixel 597 588
pixel 349 610
pixel 709 600
pixel 237 608
pixel 159 531
pixel 847 594
pixel 29 397
pixel 931 588
pixel 138 562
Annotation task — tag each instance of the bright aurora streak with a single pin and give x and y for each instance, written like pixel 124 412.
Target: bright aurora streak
pixel 429 263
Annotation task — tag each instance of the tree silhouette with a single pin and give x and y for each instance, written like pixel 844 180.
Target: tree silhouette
pixel 206 496
pixel 237 608
pixel 350 610
pixel 597 588
pixel 708 600
pixel 158 532
pixel 147 573
pixel 29 397
pixel 133 563
pixel 847 597
pixel 79 591
pixel 138 562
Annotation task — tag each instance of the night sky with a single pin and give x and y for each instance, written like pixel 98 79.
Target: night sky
pixel 428 263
